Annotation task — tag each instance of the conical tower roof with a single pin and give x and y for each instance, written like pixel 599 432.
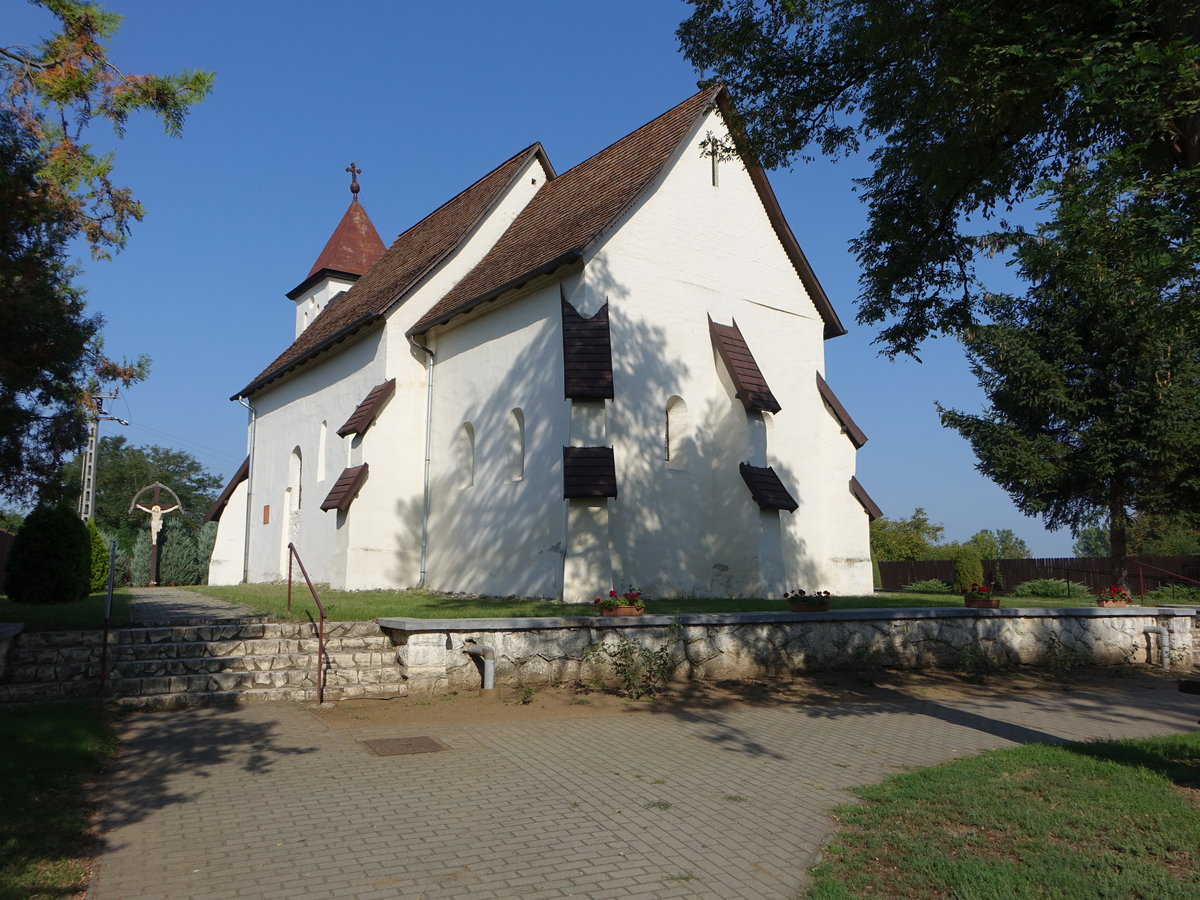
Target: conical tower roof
pixel 354 246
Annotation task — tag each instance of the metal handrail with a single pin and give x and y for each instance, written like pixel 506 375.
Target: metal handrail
pixel 1142 567
pixel 294 554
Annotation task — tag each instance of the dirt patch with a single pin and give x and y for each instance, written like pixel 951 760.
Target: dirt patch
pixel 510 704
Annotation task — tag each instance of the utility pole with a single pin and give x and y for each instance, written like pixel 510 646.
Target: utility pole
pixel 87 495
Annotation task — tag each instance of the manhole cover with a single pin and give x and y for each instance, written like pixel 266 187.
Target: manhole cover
pixel 404 746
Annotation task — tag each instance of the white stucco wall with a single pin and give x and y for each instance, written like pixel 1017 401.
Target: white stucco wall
pixel 687 251
pixel 316 298
pixel 290 415
pixel 225 564
pixel 500 535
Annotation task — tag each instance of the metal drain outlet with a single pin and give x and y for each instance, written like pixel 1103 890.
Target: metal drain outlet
pixel 403 746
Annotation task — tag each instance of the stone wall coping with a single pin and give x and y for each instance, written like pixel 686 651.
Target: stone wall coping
pixel 412 626
pixel 10 629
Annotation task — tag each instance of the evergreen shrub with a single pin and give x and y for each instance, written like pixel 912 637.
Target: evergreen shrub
pixel 1052 588
pixel 968 568
pixel 98 558
pixel 930 586
pixel 50 558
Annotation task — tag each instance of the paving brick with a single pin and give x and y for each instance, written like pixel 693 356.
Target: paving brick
pixel 265 800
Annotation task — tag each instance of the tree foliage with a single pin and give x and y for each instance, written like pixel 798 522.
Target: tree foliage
pixel 49 561
pixel 54 188
pixel 1093 378
pixel 967 108
pixel 122 470
pixel 1000 544
pixel 905 539
pixel 56 88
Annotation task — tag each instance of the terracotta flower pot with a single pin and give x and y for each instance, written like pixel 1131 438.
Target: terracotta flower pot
pixel 1111 604
pixel 981 602
pixel 622 611
pixel 809 606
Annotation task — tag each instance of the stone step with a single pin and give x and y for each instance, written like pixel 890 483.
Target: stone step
pixel 238 681
pixel 265 695
pixel 144 668
pixel 197 633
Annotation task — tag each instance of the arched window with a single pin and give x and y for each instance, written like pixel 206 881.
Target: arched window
pixel 676 437
pixel 466 455
pixel 295 471
pixel 768 437
pixel 516 446
pixel 321 439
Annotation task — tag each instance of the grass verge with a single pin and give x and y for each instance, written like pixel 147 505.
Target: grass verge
pixel 87 613
pixel 50 753
pixel 1073 822
pixel 271 599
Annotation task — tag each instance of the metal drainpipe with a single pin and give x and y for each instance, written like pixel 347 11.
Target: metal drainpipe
pixel 428 444
pixel 1164 643
pixel 489 663
pixel 249 492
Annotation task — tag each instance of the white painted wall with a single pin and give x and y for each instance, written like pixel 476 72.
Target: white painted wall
pixel 290 415
pixel 316 298
pixel 688 250
pixel 225 564
pixel 499 535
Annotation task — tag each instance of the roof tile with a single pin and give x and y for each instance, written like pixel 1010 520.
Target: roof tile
pixel 766 488
pixel 587 355
pixel 857 436
pixel 364 414
pixel 409 258
pixel 345 489
pixel 748 381
pixel 571 211
pixel 589 472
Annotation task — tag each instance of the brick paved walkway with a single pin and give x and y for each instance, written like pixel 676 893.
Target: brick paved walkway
pixel 267 801
pixel 175 606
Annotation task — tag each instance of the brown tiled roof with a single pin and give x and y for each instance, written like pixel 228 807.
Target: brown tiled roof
pixel 589 472
pixel 410 257
pixel 856 434
pixel 364 414
pixel 346 488
pixel 861 495
pixel 748 381
pixel 242 473
pixel 766 488
pixel 587 355
pixel 573 210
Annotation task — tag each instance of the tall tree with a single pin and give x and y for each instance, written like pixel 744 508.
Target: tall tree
pixel 1093 378
pixel 903 539
pixel 1000 544
pixel 966 107
pixel 53 188
pixel 122 469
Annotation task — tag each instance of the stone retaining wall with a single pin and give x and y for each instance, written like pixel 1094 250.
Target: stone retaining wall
pixel 717 646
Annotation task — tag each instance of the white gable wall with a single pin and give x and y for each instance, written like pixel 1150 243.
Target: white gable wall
pixel 687 251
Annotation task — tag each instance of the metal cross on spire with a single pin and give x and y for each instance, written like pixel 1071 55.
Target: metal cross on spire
pixel 354 173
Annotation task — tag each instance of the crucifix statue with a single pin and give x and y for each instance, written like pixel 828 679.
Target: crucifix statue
pixel 156 511
pixel 354 173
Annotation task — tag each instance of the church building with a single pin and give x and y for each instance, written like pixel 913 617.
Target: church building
pixel 558 384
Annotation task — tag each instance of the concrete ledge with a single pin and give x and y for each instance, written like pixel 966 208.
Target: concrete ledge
pixel 416 626
pixel 548 650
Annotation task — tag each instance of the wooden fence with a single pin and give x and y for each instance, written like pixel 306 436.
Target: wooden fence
pixel 1145 572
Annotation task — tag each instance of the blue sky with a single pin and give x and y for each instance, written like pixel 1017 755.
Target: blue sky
pixel 426 98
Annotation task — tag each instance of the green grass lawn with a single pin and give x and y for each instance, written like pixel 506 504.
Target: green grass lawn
pixel 80 614
pixel 50 751
pixel 1074 822
pixel 358 605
